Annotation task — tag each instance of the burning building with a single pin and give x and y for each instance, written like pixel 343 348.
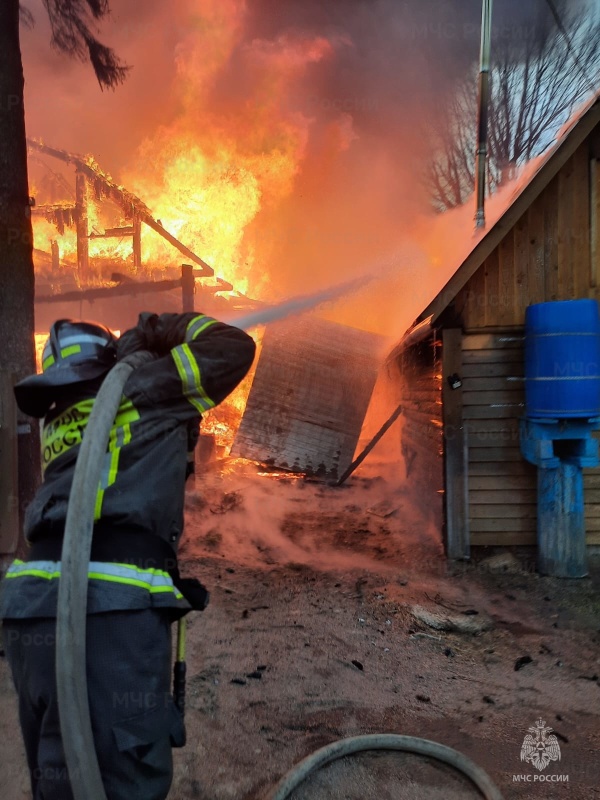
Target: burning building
pixel 274 153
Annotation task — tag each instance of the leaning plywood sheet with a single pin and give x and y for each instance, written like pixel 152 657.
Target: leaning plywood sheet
pixel 309 397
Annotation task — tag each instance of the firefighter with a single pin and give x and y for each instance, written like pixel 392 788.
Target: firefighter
pixel 135 591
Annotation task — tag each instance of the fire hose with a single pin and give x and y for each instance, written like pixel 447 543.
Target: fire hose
pixel 74 713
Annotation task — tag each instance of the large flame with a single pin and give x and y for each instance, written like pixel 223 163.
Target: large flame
pixel 208 173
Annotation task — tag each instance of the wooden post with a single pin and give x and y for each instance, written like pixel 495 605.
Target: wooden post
pixel 137 244
pixel 188 283
pixel 594 222
pixel 9 501
pixel 54 250
pixel 455 450
pixel 81 214
pixel 562 549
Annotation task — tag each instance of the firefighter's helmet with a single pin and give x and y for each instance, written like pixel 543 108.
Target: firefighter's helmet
pixel 75 351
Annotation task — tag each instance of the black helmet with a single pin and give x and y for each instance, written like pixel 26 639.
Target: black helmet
pixel 74 352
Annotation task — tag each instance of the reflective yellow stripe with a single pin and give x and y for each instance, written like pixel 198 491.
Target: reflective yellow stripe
pixel 132 582
pixel 70 351
pixel 197 325
pixel 98 504
pixel 114 466
pixel 47 362
pixel 34 573
pixel 126 414
pixel 111 572
pixel 189 373
pixel 195 371
pixel 65 431
pixel 119 436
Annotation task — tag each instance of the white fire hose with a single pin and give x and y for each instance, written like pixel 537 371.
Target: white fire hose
pixel 71 613
pixel 74 713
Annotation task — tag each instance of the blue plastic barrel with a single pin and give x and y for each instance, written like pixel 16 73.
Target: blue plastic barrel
pixel 562 359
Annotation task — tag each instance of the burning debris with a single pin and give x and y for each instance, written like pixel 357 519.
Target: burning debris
pixel 309 397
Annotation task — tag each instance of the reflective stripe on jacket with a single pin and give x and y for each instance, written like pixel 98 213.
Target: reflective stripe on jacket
pixel 153 581
pixel 142 483
pixel 144 470
pixel 30 589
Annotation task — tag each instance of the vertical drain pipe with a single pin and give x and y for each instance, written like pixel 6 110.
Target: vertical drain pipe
pixel 483 110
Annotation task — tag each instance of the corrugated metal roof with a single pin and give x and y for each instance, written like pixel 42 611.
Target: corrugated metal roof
pixel 309 397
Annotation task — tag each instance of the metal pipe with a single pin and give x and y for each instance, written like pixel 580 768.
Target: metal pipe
pixel 482 111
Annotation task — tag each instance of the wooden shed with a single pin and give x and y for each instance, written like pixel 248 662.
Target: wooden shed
pixel 462 444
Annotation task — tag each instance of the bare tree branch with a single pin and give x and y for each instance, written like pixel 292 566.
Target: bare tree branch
pixel 26 17
pixel 534 88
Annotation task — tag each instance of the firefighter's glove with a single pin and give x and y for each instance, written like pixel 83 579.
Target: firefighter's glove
pixel 194 592
pixel 156 334
pixel 142 337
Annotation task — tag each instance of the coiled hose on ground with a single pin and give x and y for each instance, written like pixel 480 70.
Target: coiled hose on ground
pixel 74 713
pixel 383 741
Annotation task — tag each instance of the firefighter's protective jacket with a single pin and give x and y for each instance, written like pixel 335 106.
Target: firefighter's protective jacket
pixel 139 504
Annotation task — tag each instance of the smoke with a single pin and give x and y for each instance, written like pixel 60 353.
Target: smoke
pixel 380 271
pixel 284 140
pixel 260 523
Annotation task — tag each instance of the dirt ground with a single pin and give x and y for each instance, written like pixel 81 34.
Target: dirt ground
pixel 333 614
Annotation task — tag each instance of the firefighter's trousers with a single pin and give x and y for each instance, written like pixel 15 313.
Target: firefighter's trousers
pixel 134 720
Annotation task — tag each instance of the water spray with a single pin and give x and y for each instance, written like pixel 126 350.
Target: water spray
pixel 297 305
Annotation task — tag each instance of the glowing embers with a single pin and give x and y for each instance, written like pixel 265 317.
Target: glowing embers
pixel 310 394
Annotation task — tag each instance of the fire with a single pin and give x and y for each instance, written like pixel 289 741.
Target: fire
pixel 206 205
pixel 40 341
pixel 209 174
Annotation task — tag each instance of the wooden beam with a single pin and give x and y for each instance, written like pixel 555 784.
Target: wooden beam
pixel 137 244
pixel 113 233
pixel 55 255
pixel 455 450
pixel 188 287
pixel 502 538
pixel 81 217
pixel 49 208
pixel 130 287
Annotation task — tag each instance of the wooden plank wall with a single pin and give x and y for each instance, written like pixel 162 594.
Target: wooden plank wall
pixel 547 255
pixel 421 369
pixel 501 484
pixel 591 499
